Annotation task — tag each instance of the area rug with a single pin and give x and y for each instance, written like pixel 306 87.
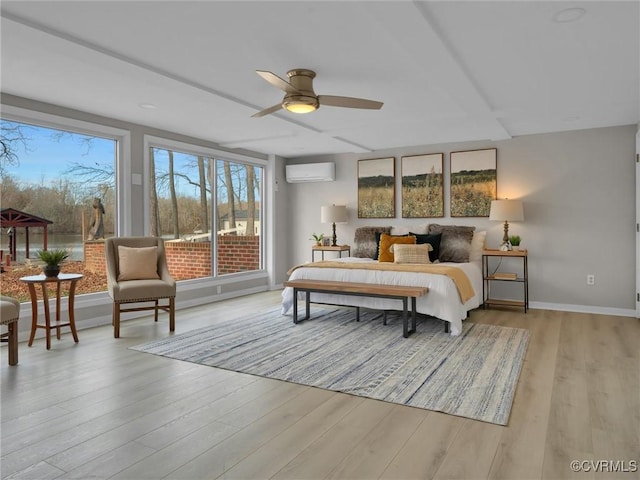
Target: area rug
pixel 472 375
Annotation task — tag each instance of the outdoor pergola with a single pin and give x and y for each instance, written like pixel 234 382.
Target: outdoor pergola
pixel 11 219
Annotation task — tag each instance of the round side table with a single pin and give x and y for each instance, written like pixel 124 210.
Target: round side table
pixel 42 280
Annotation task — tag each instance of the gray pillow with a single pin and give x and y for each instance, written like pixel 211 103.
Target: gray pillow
pixel 365 245
pixel 455 245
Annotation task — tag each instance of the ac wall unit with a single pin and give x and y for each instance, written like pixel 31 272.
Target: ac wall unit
pixel 311 172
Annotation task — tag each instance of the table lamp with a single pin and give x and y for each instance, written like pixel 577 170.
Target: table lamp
pixel 506 211
pixel 333 214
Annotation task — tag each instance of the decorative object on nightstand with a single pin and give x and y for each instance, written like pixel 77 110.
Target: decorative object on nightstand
pixel 506 211
pixel 318 238
pixel 514 241
pixel 334 214
pixel 495 276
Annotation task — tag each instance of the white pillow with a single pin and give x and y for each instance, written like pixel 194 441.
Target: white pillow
pixel 137 263
pixel 407 253
pixel 477 245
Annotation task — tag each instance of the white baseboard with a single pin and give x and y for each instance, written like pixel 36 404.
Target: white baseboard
pixel 617 312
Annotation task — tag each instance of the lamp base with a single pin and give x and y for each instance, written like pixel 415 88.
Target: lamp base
pixel 505 238
pixel 334 239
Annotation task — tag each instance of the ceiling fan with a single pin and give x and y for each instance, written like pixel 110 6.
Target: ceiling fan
pixel 300 97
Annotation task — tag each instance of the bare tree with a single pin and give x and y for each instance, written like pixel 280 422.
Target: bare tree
pixel 230 194
pixel 251 201
pixel 174 198
pixel 204 209
pixel 13 136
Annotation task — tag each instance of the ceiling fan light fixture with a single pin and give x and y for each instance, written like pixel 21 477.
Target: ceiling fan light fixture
pixel 300 103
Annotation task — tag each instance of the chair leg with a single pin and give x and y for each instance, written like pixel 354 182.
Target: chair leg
pixel 116 320
pixel 155 317
pixel 172 314
pixel 13 343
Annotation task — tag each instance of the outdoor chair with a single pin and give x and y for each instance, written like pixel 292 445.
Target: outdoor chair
pixel 9 315
pixel 137 273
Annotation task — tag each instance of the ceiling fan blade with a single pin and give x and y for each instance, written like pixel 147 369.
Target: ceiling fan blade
pixel 267 111
pixel 277 82
pixel 349 102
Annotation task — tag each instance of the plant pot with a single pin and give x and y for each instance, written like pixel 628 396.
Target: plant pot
pixel 51 270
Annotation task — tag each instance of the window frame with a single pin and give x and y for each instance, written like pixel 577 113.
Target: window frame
pixel 152 141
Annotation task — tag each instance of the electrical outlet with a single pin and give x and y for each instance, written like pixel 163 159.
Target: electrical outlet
pixel 591 279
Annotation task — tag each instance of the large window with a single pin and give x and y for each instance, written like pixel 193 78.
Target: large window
pixel 208 210
pixel 57 175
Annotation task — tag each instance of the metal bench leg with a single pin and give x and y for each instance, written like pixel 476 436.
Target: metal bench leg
pixel 308 306
pixel 405 319
pixel 357 314
pixel 413 314
pixel 295 305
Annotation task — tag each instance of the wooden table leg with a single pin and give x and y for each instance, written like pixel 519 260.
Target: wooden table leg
pixel 34 312
pixel 58 310
pixel 72 320
pixel 47 314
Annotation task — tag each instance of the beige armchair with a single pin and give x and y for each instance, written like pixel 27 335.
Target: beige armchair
pixel 9 315
pixel 137 273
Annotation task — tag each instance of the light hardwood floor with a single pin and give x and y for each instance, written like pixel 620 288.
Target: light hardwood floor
pixel 98 410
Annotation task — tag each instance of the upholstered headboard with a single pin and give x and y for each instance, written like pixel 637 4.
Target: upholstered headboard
pixel 457 244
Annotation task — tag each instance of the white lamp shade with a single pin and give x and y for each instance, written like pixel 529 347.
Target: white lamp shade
pixel 506 210
pixel 333 214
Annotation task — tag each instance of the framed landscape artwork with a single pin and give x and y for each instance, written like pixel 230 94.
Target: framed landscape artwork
pixel 422 186
pixel 376 188
pixel 473 182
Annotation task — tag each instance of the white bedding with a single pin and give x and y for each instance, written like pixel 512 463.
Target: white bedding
pixel 442 301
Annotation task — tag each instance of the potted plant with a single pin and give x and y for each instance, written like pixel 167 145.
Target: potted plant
pixel 52 260
pixel 318 238
pixel 514 240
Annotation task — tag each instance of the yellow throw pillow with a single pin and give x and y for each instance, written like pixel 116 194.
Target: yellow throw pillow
pixel 412 253
pixel 386 241
pixel 138 263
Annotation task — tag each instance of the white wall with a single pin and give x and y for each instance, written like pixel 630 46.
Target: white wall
pixel 578 190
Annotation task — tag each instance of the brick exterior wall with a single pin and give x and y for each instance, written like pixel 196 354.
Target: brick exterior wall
pixel 236 253
pixel 94 257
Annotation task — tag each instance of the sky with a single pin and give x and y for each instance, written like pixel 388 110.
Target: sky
pixel 47 157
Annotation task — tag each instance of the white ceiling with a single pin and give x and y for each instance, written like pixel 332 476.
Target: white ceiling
pixel 446 71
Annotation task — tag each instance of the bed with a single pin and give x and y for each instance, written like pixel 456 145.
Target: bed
pixel 444 300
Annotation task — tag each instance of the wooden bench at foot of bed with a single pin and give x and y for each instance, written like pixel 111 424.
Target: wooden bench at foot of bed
pixel 397 292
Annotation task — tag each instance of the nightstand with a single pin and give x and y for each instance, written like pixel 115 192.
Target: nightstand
pixel 337 248
pixel 521 277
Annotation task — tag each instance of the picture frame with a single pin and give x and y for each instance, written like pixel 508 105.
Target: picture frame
pixel 473 182
pixel 377 188
pixel 422 185
pixel 326 242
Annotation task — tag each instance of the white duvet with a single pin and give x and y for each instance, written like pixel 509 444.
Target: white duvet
pixel 442 301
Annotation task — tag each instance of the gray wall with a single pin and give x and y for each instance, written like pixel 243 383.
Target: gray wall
pixel 578 190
